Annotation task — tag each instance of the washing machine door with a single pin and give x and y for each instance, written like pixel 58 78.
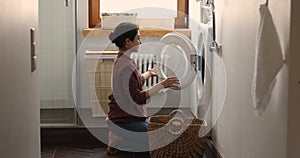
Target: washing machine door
pixel 177 58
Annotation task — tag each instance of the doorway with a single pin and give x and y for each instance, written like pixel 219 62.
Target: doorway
pixel 57 54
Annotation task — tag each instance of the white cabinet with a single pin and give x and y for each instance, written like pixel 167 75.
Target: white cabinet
pixel 99 68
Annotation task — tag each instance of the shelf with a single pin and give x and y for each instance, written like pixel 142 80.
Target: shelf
pixel 144 32
pixel 101 52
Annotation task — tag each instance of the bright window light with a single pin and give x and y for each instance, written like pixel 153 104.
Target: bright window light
pixel 144 8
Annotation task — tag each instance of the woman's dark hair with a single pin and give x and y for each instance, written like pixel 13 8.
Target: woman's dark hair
pixel 121 32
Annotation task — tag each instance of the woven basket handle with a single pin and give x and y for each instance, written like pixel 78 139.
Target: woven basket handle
pixel 176 126
pixel 177 113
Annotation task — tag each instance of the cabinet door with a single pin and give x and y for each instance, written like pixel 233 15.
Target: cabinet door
pixel 19 94
pixel 100 71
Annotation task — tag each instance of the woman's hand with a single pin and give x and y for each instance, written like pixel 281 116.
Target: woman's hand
pixel 152 71
pixel 171 82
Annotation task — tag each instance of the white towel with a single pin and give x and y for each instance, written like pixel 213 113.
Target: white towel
pixel 268 61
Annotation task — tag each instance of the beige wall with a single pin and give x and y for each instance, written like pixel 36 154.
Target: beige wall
pixel 238 133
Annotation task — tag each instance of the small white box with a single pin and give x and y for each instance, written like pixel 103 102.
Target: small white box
pixel 111 20
pixel 154 23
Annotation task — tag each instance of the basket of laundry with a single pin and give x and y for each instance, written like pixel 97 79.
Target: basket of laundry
pixel 176 136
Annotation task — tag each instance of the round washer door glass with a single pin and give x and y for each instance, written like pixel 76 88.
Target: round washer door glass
pixel 175 57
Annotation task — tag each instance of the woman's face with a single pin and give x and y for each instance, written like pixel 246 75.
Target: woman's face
pixel 133 46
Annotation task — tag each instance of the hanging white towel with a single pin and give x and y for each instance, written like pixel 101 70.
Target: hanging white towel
pixel 268 61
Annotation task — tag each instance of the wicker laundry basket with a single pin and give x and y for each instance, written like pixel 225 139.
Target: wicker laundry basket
pixel 176 136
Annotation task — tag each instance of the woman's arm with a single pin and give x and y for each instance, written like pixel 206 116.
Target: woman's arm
pixel 170 82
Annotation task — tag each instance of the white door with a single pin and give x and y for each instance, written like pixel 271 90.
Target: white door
pixel 19 96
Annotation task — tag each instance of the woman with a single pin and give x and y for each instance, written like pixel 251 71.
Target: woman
pixel 127 101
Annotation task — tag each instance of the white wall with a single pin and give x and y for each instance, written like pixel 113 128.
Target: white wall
pixel 56 53
pixel 238 133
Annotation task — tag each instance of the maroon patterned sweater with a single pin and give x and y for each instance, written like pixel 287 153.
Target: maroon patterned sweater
pixel 127 101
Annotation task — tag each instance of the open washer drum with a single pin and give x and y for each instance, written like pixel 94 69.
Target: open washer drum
pixel 178 57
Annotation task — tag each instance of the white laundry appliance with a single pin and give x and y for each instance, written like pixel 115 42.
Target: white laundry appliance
pixel 174 55
pixel 211 92
pixel 204 78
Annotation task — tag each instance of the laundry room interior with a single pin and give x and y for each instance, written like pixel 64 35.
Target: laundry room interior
pixel 236 62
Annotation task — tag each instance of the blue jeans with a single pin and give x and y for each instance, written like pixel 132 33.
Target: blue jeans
pixel 134 135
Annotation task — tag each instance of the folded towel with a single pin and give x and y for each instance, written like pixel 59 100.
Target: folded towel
pixel 268 61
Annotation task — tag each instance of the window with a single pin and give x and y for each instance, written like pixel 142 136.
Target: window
pixel 180 20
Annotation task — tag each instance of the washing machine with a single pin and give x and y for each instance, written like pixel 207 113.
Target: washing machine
pixel 203 88
pixel 174 55
pixel 177 58
pixel 211 92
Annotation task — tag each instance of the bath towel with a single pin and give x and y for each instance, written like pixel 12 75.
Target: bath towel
pixel 268 61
